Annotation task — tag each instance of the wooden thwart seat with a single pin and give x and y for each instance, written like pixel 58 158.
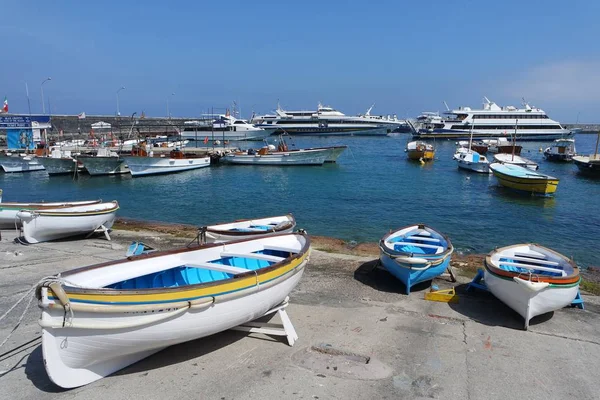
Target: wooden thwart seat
pixel 253 255
pixel 424 239
pixel 534 260
pixel 542 257
pixel 533 267
pixel 219 267
pixel 426 246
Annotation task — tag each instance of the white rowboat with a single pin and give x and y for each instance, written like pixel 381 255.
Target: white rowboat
pixel 117 313
pixel 42 225
pixel 248 229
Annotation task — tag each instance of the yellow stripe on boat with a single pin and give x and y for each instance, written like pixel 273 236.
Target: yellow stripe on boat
pixel 186 292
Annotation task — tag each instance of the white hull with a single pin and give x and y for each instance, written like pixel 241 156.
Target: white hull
pixel 39 227
pixel 58 166
pixel 218 233
pixel 140 166
pixel 504 158
pixel 8 211
pixel 298 157
pixel 199 136
pixel 316 129
pixel 104 165
pixel 19 164
pixel 482 168
pixel 96 353
pixel 526 302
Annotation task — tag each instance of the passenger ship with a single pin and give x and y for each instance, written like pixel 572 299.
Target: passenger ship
pixel 222 127
pixel 530 123
pixel 325 121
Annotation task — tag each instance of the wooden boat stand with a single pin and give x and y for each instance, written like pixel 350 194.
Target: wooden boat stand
pixel 284 329
pixel 100 229
pixel 479 283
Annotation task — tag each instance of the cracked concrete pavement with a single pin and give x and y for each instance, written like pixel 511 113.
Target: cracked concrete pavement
pixel 475 349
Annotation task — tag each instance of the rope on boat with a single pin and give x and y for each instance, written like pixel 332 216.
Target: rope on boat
pixel 429 263
pixel 28 293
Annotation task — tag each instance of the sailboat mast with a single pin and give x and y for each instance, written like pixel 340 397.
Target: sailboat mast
pixel 471 136
pixel 515 139
pixel 597 141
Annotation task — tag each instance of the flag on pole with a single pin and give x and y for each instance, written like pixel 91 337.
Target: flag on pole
pixel 5 106
pixel 206 140
pixel 81 116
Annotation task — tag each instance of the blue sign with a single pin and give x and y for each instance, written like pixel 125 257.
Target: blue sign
pixel 20 139
pixel 22 121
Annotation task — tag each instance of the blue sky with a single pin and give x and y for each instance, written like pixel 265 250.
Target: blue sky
pixel 406 57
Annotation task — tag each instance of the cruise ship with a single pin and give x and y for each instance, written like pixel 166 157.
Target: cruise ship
pixel 325 121
pixel 530 123
pixel 222 127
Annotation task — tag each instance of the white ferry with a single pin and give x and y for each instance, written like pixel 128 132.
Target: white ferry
pixel 222 127
pixel 530 123
pixel 325 121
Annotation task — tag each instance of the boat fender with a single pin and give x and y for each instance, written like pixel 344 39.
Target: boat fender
pixel 60 293
pixel 530 285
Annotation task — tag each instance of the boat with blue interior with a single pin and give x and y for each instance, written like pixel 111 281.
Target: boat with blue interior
pixel 116 313
pixel 415 253
pixel 247 229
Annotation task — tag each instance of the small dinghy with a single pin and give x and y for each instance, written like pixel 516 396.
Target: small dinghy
pixel 8 211
pixel 415 253
pixel 116 313
pixel 420 151
pixel 531 279
pixel 248 229
pixel 42 225
pixel 512 159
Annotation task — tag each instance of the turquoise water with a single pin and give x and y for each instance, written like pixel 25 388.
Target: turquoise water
pixel 372 188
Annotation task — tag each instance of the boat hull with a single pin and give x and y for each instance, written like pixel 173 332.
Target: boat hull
pixel 330 130
pixel 142 166
pixel 297 157
pixel 528 303
pixel 482 168
pixel 410 276
pixel 96 166
pixel 38 226
pixel 586 167
pixel 8 211
pixel 505 158
pixel 58 166
pixel 19 164
pixel 251 135
pixel 335 152
pixel 417 155
pixel 542 186
pixel 242 229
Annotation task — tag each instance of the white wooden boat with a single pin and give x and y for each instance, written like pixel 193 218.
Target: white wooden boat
pixel 19 163
pixel 248 229
pixel 104 162
pixel 117 313
pixel 176 161
pixel 561 150
pixel 504 158
pixel 8 211
pixel 531 279
pixel 42 225
pixel 268 155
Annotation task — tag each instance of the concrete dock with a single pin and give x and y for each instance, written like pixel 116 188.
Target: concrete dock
pixel 360 337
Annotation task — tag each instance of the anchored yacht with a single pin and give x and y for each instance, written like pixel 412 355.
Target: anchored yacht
pixel 223 127
pixel 530 123
pixel 325 121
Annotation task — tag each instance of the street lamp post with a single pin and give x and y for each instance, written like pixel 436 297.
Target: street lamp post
pixel 118 111
pixel 168 113
pixel 42 89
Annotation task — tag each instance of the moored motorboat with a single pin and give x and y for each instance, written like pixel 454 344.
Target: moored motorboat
pixel 589 165
pixel 472 161
pixel 504 158
pixel 283 155
pixel 19 162
pixel 42 225
pixel 147 163
pixel 561 150
pixel 8 211
pixel 502 145
pixel 418 150
pixel 415 253
pixel 531 279
pixel 58 162
pixel 524 179
pixel 116 313
pixel 248 229
pixel 104 162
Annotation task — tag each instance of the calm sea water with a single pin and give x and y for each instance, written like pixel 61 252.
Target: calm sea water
pixel 371 189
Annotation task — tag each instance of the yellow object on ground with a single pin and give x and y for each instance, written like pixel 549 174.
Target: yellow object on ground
pixel 445 296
